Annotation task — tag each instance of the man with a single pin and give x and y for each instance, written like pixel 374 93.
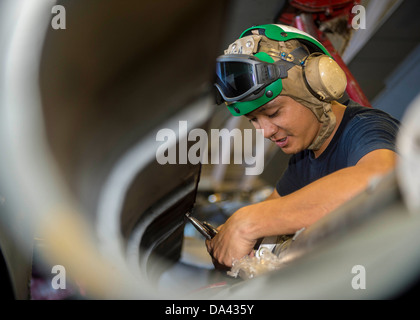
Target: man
pixel 285 82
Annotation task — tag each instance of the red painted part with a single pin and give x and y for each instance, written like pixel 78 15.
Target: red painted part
pixel 328 6
pixel 305 23
pixel 322 10
pixel 293 15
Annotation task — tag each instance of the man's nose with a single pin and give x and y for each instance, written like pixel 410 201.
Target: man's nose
pixel 269 128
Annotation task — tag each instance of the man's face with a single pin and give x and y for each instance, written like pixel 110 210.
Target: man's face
pixel 287 123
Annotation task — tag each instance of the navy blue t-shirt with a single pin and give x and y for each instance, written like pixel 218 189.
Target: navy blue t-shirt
pixel 361 131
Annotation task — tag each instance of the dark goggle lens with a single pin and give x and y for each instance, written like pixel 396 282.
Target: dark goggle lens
pixel 234 78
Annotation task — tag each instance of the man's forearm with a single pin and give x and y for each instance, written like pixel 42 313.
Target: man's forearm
pixel 286 215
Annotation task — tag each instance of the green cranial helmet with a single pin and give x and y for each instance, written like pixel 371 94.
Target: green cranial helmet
pixel 269 44
pixel 269 60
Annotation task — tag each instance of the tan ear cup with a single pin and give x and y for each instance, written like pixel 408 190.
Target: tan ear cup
pixel 324 77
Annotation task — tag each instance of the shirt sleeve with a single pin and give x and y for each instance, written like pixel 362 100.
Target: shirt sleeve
pixel 371 131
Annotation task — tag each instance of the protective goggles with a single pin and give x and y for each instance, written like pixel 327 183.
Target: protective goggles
pixel 242 77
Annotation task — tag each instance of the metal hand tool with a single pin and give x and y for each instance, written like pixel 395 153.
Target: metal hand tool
pixel 205 228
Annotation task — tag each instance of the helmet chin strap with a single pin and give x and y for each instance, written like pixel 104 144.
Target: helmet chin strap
pixel 324 114
pixel 328 121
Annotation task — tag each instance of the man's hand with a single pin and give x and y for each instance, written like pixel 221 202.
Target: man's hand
pixel 233 241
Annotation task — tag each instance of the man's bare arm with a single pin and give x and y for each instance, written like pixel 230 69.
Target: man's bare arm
pixel 307 205
pixel 286 215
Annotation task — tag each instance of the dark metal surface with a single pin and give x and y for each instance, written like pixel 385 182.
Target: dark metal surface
pixel 117 74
